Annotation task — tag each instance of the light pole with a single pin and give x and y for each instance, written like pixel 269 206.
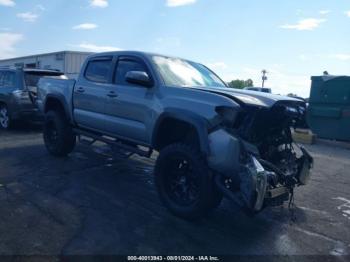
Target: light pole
pixel 264 77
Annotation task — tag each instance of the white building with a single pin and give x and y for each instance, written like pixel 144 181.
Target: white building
pixel 68 62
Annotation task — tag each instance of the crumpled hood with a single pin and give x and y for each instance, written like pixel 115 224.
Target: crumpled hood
pixel 250 97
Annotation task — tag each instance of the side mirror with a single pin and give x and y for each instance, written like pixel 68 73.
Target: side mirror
pixel 139 78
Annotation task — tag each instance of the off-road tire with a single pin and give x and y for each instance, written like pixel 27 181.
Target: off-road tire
pixel 58 134
pixel 204 200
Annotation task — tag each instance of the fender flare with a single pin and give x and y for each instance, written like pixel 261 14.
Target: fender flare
pixel 198 122
pixel 61 99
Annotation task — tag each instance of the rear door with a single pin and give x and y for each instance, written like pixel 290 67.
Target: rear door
pixel 89 97
pixel 8 84
pixel 129 107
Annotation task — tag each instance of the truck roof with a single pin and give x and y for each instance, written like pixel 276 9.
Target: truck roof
pixel 46 54
pixel 137 53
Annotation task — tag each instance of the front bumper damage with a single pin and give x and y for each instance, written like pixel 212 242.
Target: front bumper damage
pixel 252 182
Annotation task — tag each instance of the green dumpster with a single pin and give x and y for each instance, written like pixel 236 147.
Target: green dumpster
pixel 328 113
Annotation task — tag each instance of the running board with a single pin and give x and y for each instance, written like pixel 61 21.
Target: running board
pixel 111 141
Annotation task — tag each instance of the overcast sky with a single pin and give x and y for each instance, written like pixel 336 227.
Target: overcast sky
pixel 236 38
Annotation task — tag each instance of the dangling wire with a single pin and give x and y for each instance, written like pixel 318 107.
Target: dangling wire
pixel 291 207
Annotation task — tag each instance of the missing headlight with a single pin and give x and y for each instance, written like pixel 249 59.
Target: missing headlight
pixel 228 115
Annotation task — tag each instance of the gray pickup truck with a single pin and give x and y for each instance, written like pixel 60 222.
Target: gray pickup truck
pixel 213 141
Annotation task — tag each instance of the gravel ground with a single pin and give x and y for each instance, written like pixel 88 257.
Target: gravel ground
pixel 94 202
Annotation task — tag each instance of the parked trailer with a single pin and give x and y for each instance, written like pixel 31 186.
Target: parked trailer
pixel 329 107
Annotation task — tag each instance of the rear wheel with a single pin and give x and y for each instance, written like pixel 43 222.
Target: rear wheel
pixel 4 117
pixel 184 181
pixel 58 134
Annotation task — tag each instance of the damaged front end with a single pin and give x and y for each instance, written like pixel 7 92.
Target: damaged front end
pixel 254 156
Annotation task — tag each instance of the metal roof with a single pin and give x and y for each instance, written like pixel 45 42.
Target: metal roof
pixel 46 54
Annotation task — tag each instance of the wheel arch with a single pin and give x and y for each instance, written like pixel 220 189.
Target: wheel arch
pixel 54 102
pixel 3 103
pixel 174 123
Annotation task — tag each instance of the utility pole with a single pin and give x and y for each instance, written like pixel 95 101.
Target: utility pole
pixel 264 77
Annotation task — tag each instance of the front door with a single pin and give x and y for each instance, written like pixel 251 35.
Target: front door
pixel 129 107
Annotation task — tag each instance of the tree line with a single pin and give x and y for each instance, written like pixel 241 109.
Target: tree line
pixel 240 84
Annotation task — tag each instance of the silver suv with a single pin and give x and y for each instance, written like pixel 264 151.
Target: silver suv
pixel 18 94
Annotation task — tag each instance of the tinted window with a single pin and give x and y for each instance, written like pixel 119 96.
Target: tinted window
pixel 125 66
pixel 98 70
pixel 9 79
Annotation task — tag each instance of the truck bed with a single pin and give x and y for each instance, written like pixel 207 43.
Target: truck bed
pixel 58 88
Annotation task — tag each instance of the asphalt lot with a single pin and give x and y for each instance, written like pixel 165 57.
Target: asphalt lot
pixel 94 202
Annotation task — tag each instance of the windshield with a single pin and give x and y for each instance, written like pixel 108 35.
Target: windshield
pixel 178 72
pixel 32 78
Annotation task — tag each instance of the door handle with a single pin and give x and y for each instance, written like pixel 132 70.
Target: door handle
pixel 112 94
pixel 80 90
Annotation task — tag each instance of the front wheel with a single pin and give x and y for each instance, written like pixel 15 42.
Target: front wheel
pixel 184 181
pixel 58 134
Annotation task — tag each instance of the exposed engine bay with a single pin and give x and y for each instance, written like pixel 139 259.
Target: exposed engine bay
pixel 270 164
